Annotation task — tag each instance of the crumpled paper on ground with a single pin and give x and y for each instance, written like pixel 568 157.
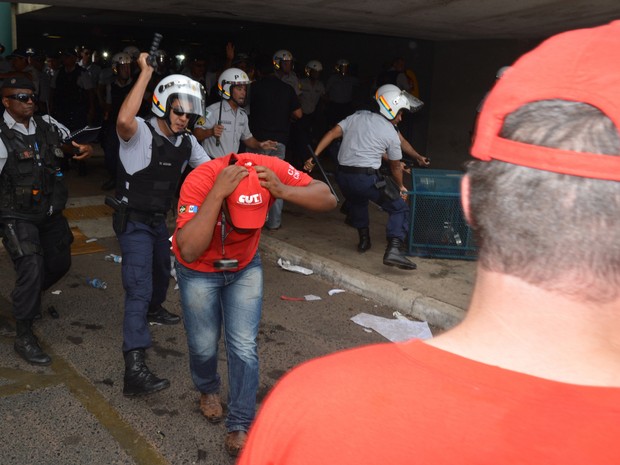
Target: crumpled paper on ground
pixel 308 297
pixel 396 330
pixel 287 265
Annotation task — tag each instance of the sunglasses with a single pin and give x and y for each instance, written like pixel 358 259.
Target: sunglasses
pixel 24 98
pixel 180 112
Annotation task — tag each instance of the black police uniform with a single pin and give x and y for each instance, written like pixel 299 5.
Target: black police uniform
pixel 139 223
pixel 32 197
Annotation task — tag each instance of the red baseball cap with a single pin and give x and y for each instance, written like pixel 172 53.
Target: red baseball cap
pixel 581 66
pixel 249 203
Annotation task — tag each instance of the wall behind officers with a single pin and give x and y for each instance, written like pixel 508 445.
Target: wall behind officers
pixel 32 196
pixel 153 154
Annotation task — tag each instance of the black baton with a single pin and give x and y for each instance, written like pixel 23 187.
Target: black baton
pixel 317 163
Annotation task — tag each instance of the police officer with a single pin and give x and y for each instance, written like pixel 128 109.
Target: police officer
pixel 226 122
pixel 153 155
pixel 283 68
pixel 32 196
pixel 366 137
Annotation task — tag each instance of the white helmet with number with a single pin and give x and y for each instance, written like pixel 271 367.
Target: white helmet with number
pixel 315 65
pixel 280 56
pixel 133 51
pixel 231 77
pixel 392 100
pixel 190 94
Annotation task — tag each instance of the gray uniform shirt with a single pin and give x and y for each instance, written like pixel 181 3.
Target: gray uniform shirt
pixel 135 154
pixel 32 127
pixel 366 136
pixel 311 93
pixel 236 128
pixel 292 80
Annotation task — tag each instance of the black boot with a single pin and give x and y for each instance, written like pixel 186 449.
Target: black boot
pixel 395 255
pixel 158 315
pixel 27 346
pixel 364 243
pixel 138 378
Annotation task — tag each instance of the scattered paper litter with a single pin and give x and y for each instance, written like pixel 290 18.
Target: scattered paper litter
pixel 93 239
pixel 286 264
pixel 308 297
pixel 335 291
pixel 57 292
pixel 395 330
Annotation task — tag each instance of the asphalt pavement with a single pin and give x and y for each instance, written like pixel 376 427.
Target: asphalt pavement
pixel 73 412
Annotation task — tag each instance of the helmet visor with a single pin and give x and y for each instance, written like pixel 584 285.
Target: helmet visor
pixel 188 103
pixel 414 103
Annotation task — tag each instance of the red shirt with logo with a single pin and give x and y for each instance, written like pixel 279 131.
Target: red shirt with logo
pixel 239 246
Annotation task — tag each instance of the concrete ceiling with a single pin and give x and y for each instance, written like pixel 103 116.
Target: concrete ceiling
pixel 419 19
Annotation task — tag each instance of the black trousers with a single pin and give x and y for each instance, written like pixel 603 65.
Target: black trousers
pixel 46 258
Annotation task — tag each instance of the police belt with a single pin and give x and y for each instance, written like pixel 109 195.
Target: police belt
pixel 149 218
pixel 357 170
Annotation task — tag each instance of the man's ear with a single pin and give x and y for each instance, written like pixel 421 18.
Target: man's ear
pixel 465 198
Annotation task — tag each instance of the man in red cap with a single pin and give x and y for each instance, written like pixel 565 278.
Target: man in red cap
pixel 532 375
pixel 222 208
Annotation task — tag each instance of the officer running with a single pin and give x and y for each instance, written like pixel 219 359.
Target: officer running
pixel 366 138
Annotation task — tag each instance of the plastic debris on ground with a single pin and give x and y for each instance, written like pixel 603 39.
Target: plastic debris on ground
pixel 335 291
pixel 396 330
pixel 173 271
pixel 287 265
pixel 90 240
pixel 308 297
pixel 57 292
pixel 113 258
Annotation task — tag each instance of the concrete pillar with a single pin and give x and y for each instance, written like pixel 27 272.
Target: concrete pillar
pixel 7 33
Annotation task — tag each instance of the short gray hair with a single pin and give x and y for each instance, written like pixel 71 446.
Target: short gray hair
pixel 555 231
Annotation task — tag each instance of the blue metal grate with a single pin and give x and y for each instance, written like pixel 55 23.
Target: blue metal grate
pixel 437 227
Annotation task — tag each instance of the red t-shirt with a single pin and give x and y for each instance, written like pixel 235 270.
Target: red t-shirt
pixel 197 185
pixel 410 403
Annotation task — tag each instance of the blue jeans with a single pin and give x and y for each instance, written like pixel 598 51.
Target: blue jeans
pixel 274 219
pixel 234 300
pixel 146 276
pixel 359 189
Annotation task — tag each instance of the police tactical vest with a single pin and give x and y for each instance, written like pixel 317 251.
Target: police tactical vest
pixel 31 183
pixel 151 189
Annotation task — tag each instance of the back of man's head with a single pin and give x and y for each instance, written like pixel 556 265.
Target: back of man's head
pixel 545 200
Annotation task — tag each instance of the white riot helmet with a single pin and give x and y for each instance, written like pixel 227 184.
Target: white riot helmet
pixel 133 51
pixel 342 66
pixel 280 56
pixel 315 65
pixel 120 58
pixel 231 77
pixel 190 94
pixel 392 100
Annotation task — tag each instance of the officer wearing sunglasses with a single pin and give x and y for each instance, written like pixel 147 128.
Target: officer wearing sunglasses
pixel 32 196
pixel 154 152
